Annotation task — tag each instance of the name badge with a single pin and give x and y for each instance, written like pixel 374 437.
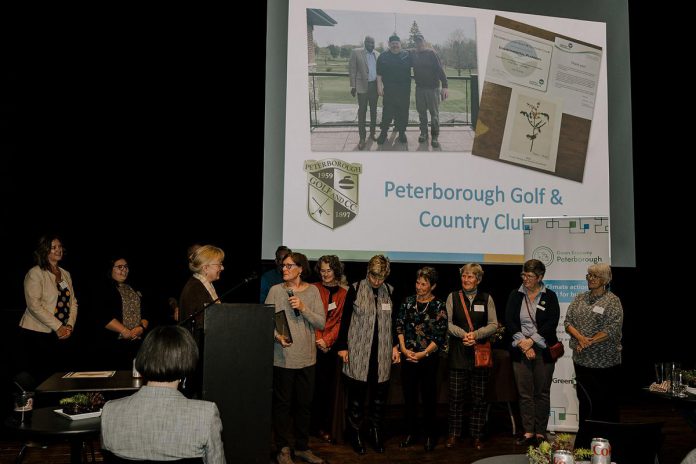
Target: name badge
pixel 63 285
pixel 541 307
pixel 332 306
pixel 386 307
pixel 479 308
pixel 598 310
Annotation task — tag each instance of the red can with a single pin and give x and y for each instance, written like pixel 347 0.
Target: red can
pixel 601 451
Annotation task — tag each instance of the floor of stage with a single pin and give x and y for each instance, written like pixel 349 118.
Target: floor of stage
pixel 679 439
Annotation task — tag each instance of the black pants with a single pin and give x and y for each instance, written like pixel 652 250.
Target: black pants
pixel 597 396
pixel 395 104
pixel 43 354
pixel 363 100
pixel 420 377
pixel 357 392
pixel 325 391
pixel 292 401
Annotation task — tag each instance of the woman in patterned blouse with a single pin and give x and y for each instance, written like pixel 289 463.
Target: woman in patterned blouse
pixel 594 321
pixel 421 326
pixel 124 313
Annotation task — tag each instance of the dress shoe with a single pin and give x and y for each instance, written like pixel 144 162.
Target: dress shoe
pixel 284 456
pixel 434 142
pixel 526 441
pixel 476 443
pixel 408 441
pixel 382 138
pixel 308 456
pixel 541 437
pixel 324 436
pixel 451 441
pixel 361 144
pixel 429 444
pixel 422 137
pixel 373 135
pixel 402 137
pixel 377 441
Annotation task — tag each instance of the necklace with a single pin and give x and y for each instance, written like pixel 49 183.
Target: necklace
pixel 426 306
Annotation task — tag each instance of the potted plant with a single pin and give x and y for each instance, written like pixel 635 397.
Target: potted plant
pixel 543 454
pixel 82 403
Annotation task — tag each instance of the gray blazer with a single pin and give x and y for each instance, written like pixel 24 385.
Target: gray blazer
pixel 357 69
pixel 159 423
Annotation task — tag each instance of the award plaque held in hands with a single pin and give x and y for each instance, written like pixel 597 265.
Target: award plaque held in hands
pixel 281 325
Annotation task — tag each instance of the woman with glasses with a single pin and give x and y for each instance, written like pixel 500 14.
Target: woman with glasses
pixel 125 316
pixel 205 263
pixel 464 376
pixel 594 320
pixel 421 327
pixel 48 321
pixel 367 346
pixel 531 316
pixel 294 362
pixel 328 394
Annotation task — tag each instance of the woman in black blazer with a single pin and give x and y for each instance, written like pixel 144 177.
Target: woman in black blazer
pixel 532 314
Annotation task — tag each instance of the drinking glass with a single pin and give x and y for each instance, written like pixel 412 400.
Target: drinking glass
pixel 23 405
pixel 678 386
pixel 659 372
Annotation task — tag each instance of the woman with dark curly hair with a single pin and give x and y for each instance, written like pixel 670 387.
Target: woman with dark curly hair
pixel 328 396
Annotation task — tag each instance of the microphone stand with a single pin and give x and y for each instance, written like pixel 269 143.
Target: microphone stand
pixel 192 316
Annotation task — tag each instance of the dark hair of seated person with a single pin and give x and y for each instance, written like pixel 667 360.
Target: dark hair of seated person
pixel 168 353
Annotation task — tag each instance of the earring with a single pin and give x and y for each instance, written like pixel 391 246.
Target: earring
pixel 183 384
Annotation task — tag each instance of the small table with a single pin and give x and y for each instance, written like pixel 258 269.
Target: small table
pixel 45 424
pixel 505 459
pixel 122 381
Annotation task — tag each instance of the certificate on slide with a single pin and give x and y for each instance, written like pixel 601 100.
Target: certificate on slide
pixel 538 99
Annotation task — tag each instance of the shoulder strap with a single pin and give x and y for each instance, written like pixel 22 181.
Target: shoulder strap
pixel 529 312
pixel 466 311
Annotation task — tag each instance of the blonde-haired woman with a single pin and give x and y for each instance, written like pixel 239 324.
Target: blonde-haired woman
pixel 366 344
pixel 594 321
pixel 206 265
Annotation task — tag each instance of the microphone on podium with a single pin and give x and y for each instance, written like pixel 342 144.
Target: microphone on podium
pixel 291 294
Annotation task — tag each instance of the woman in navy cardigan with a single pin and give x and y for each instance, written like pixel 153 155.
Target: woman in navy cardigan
pixel 532 314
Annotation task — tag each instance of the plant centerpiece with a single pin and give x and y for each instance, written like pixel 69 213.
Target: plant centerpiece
pixel 82 403
pixel 690 378
pixel 543 454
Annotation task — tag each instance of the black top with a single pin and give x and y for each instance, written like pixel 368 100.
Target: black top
pixel 546 321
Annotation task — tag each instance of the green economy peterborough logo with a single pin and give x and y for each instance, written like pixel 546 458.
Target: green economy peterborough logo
pixel 332 191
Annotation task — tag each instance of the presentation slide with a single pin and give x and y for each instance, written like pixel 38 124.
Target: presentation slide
pixel 446 204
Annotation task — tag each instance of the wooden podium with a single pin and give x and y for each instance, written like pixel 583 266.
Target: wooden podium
pixel 238 376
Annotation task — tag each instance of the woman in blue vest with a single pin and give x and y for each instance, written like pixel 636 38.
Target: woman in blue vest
pixel 464 375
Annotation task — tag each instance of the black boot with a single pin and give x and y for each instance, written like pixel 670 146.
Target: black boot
pixel 429 443
pixel 377 440
pixel 408 441
pixel 357 442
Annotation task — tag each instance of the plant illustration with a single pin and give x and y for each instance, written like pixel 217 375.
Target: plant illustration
pixel 536 119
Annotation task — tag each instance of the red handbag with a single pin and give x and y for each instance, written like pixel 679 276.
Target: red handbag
pixel 483 356
pixel 557 349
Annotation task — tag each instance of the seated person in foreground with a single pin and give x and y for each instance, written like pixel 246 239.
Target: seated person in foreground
pixel 158 422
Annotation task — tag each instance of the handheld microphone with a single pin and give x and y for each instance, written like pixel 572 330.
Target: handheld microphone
pixel 291 294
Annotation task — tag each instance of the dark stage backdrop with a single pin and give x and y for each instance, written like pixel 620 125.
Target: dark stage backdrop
pixel 144 135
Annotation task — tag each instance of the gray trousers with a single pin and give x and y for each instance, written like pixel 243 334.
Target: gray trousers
pixel 365 99
pixel 428 101
pixel 533 380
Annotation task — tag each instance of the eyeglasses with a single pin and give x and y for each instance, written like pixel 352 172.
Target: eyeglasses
pixel 215 264
pixel 593 276
pixel 121 267
pixel 377 276
pixel 326 271
pixel 288 266
pixel 529 276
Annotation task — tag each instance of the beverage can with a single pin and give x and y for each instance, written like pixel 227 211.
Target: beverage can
pixel 563 457
pixel 601 451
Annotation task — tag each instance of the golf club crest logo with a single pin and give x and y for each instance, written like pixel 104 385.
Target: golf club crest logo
pixel 332 191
